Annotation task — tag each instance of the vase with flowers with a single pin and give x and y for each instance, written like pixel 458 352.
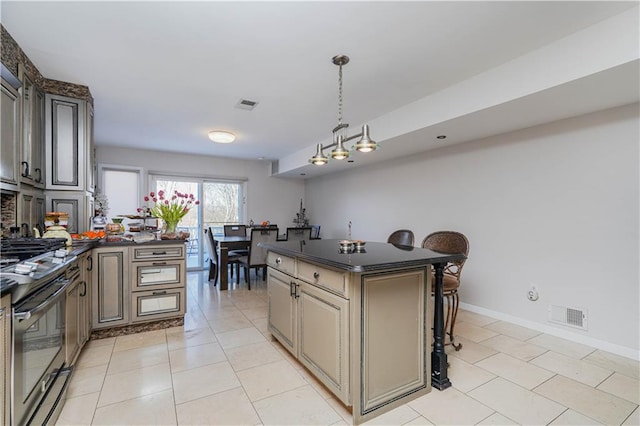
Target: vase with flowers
pixel 170 208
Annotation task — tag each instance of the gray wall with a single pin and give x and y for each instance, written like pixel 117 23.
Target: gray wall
pixel 268 198
pixel 555 206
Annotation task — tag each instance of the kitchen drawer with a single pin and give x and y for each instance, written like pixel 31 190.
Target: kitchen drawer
pixel 332 280
pixel 157 304
pixel 157 274
pixel 282 263
pixel 158 252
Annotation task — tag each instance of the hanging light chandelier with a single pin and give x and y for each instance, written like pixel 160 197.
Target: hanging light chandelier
pixel 340 136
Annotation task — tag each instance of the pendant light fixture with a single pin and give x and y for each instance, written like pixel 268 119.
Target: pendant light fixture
pixel 339 152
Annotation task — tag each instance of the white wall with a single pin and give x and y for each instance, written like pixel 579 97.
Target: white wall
pixel 555 205
pixel 268 198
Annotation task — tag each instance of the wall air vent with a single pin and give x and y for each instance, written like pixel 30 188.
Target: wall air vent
pixel 571 316
pixel 246 104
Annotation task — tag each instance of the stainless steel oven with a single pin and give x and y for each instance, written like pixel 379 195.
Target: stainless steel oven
pixel 40 376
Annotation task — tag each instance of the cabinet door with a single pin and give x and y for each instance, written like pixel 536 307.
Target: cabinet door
pixel 65 143
pixel 323 336
pixel 72 322
pixel 28 106
pixel 27 208
pixel 5 358
pixel 92 166
pixel 39 213
pixel 110 292
pixel 31 208
pixel 37 140
pixel 75 204
pixel 282 309
pixel 86 265
pixel 9 133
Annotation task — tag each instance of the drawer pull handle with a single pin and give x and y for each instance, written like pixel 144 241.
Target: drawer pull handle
pixel 278 260
pixel 159 263
pixel 158 293
pixel 159 253
pixel 316 275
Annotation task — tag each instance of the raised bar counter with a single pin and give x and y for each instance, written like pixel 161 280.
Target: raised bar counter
pixel 360 320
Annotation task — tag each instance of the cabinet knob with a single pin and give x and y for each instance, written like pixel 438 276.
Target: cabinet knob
pixel 278 260
pixel 316 275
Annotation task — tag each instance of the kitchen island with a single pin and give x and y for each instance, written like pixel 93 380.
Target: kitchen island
pixel 360 320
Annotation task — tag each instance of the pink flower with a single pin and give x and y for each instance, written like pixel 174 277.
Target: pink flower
pixel 155 200
pixel 197 202
pixel 146 198
pixel 153 195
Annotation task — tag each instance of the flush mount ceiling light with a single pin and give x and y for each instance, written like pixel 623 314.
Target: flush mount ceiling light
pixel 222 136
pixel 340 137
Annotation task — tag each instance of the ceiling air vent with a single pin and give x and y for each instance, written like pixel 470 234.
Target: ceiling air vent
pixel 246 104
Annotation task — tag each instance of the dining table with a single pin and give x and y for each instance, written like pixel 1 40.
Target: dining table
pixel 225 245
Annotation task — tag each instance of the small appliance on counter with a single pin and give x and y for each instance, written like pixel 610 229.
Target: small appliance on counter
pixel 58 232
pixel 56 219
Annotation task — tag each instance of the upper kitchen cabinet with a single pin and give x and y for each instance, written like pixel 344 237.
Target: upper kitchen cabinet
pixel 69 144
pixel 9 131
pixel 32 159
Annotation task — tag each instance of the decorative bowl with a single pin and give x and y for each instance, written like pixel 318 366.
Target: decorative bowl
pixel 345 244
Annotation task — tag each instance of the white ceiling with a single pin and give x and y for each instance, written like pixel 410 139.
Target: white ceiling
pixel 163 74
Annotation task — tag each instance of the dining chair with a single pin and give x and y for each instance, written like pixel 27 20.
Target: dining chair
pixel 257 257
pixel 296 234
pixel 235 230
pixel 401 237
pixel 212 253
pixel 449 242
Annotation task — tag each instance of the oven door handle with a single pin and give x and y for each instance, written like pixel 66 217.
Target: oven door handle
pixel 25 315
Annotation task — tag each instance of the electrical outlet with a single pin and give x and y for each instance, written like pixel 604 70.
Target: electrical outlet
pixel 532 294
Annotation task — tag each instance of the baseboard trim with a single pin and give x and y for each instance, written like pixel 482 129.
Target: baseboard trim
pixel 564 334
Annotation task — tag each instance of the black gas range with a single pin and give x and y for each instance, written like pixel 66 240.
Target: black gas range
pixel 14 250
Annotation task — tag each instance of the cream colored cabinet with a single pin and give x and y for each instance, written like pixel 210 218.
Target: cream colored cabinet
pixel 92 165
pixel 72 321
pixel 323 337
pixel 31 207
pixel 110 287
pixel 158 285
pixel 65 143
pixel 85 261
pixel 364 335
pixel 78 205
pixel 78 308
pixel 32 152
pixel 311 322
pixel 5 358
pixel 283 318
pixel 9 131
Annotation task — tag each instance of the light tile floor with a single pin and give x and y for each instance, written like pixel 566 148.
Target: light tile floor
pixel 223 368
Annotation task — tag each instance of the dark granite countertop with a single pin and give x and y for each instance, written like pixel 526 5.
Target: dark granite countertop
pixel 81 246
pixel 373 257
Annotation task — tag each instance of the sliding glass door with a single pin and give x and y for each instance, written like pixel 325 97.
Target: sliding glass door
pixel 221 202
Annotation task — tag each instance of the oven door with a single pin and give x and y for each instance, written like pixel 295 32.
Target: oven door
pixel 39 353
